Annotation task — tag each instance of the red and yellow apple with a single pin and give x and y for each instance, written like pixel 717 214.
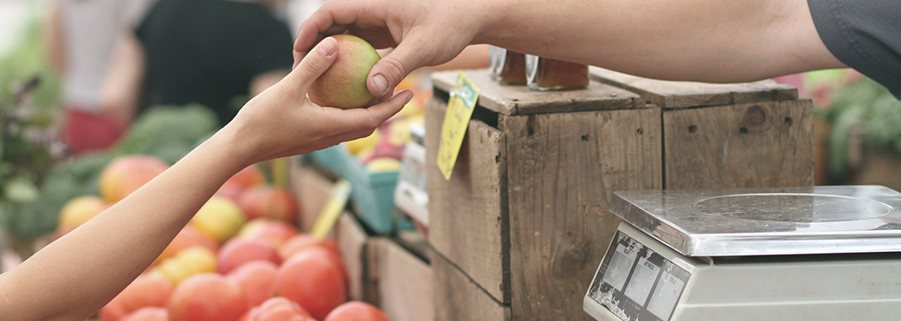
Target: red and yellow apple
pixel 343 85
pixel 126 174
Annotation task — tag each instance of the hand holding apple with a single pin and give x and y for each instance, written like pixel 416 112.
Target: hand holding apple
pixel 343 85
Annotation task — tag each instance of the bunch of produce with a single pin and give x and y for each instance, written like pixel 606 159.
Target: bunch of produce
pixel 239 258
pixel 383 150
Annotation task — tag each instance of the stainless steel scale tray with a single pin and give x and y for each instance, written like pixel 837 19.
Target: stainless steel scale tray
pixel 767 221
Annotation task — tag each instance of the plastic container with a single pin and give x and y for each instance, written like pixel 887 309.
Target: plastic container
pixel 372 196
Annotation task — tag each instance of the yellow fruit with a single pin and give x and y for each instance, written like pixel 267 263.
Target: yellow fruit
pixel 187 262
pixel 383 164
pixel 79 210
pixel 220 218
pixel 357 145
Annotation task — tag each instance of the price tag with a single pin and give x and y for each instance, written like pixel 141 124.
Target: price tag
pixel 462 101
pixel 332 209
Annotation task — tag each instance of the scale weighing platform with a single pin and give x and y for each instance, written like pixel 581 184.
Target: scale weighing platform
pixel 808 253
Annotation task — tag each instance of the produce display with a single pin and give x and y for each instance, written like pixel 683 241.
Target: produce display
pixel 239 258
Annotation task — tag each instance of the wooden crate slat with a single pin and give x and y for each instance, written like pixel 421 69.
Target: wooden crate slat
pixel 457 297
pixel 562 171
pixel 405 284
pixel 467 213
pixel 685 94
pixel 767 144
pixel 519 100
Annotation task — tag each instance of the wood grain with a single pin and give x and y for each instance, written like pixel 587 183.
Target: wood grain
pixel 562 170
pixel 519 100
pixel 467 214
pixel 458 298
pixel 685 94
pixel 352 241
pixel 767 144
pixel 405 284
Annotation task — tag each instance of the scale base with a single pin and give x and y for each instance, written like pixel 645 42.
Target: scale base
pixel 642 279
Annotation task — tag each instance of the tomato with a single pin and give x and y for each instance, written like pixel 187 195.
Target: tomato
pixel 314 281
pixel 356 311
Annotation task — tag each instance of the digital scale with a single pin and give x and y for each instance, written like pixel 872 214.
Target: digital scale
pixel 809 253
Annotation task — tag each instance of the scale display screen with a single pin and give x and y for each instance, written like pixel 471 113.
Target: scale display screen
pixel 637 284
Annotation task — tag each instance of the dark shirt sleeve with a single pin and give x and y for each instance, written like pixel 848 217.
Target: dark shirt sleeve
pixel 863 34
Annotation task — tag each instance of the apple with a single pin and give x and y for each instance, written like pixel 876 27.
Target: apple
pixel 268 201
pixel 276 232
pixel 126 174
pixel 77 211
pixel 220 218
pixel 256 280
pixel 238 251
pixel 188 262
pixel 343 85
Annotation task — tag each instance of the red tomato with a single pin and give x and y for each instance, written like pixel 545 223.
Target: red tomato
pixel 207 296
pixel 278 309
pixel 312 280
pixel 356 311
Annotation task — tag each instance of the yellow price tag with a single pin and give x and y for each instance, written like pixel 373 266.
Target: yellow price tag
pixel 463 98
pixel 332 209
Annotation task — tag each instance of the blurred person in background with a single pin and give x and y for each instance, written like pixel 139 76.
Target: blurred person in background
pixel 81 35
pixel 213 52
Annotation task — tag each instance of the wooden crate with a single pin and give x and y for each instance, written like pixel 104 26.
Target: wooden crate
pixel 404 279
pixel 524 215
pixel 311 188
pixel 728 135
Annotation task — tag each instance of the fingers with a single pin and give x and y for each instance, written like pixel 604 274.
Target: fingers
pixel 371 117
pixel 313 64
pixel 391 69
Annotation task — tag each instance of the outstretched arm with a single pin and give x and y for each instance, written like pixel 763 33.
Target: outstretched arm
pixel 699 40
pixel 76 275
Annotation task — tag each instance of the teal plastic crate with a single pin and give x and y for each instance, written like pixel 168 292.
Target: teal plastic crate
pixel 372 195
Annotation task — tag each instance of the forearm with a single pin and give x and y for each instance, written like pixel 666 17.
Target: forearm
pixel 77 274
pixel 702 40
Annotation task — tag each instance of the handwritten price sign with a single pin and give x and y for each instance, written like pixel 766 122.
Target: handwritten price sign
pixel 462 101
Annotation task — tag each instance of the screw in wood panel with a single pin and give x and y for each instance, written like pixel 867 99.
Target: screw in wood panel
pixel 788 121
pixel 585 138
pixel 743 130
pixel 640 131
pixel 692 128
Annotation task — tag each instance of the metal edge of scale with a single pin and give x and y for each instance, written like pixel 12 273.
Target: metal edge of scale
pixel 766 221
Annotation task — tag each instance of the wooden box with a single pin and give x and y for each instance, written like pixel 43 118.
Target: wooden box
pixel 403 277
pixel 523 218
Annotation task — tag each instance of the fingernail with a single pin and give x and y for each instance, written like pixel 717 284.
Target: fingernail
pixel 380 83
pixel 328 46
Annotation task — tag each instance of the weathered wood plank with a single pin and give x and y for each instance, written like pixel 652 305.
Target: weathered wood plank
pixel 458 298
pixel 405 284
pixel 311 188
pixel 768 144
pixel 352 243
pixel 684 94
pixel 562 171
pixel 467 213
pixel 519 100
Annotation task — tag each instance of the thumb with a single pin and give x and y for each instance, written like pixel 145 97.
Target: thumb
pixel 316 62
pixel 391 69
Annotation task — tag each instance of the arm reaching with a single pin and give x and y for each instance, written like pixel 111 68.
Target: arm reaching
pixel 699 40
pixel 76 275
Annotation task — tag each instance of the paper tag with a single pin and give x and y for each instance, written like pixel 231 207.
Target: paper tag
pixel 462 101
pixel 332 209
